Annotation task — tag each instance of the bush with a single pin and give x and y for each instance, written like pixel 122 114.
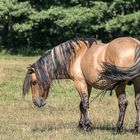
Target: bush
pixel 30 26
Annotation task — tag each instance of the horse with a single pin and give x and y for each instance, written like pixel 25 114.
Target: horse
pixel 110 66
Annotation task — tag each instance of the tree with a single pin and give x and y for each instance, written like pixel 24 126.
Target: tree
pixel 32 26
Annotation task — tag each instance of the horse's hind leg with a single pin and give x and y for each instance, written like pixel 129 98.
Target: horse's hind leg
pixel 84 92
pixel 122 103
pixel 137 104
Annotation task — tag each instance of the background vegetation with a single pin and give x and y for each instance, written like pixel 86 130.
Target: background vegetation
pixel 31 26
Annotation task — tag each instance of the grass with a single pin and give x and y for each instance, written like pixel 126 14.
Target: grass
pixel 20 119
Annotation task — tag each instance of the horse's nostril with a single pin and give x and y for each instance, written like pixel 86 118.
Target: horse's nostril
pixel 39 102
pixel 35 103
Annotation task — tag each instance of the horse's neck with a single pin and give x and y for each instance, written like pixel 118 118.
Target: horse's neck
pixel 63 55
pixel 59 72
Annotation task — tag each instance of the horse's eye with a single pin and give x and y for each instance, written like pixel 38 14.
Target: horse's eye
pixel 34 82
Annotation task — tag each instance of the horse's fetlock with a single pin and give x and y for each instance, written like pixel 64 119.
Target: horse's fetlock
pixel 88 123
pixel 119 125
pixel 81 124
pixel 118 129
pixel 137 128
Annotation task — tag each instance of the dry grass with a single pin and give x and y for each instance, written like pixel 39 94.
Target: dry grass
pixel 20 119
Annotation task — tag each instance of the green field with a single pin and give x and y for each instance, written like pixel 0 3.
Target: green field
pixel 58 120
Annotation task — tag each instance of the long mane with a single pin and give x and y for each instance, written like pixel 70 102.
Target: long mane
pixel 55 63
pixel 26 84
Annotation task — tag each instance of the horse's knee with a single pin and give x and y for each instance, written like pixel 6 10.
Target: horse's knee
pixel 84 106
pixel 123 102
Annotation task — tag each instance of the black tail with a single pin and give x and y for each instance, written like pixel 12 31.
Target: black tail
pixel 115 75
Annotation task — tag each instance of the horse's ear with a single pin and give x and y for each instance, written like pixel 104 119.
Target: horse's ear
pixel 31 69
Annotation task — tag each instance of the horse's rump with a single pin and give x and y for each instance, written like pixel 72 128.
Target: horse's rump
pixel 115 74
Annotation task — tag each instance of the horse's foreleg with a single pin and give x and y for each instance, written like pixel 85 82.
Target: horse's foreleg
pixel 84 92
pixel 137 104
pixel 84 109
pixel 122 103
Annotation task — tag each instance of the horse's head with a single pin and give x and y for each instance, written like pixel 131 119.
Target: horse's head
pixel 39 93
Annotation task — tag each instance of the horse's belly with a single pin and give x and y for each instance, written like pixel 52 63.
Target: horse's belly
pixel 92 78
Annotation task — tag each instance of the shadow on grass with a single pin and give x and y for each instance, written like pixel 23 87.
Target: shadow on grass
pixel 112 129
pixel 72 126
pixel 54 126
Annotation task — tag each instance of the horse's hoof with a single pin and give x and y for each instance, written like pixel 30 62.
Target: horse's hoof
pixel 88 127
pixel 85 126
pixel 80 126
pixel 118 130
pixel 136 130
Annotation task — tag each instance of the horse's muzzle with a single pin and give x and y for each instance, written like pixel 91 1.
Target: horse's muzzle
pixel 39 102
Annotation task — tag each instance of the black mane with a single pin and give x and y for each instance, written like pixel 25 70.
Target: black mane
pixel 54 64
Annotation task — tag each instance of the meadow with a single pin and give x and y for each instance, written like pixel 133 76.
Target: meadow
pixel 58 120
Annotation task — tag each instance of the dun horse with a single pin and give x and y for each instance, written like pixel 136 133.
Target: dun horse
pixel 89 64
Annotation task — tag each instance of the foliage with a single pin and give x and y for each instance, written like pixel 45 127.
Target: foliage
pixel 31 26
